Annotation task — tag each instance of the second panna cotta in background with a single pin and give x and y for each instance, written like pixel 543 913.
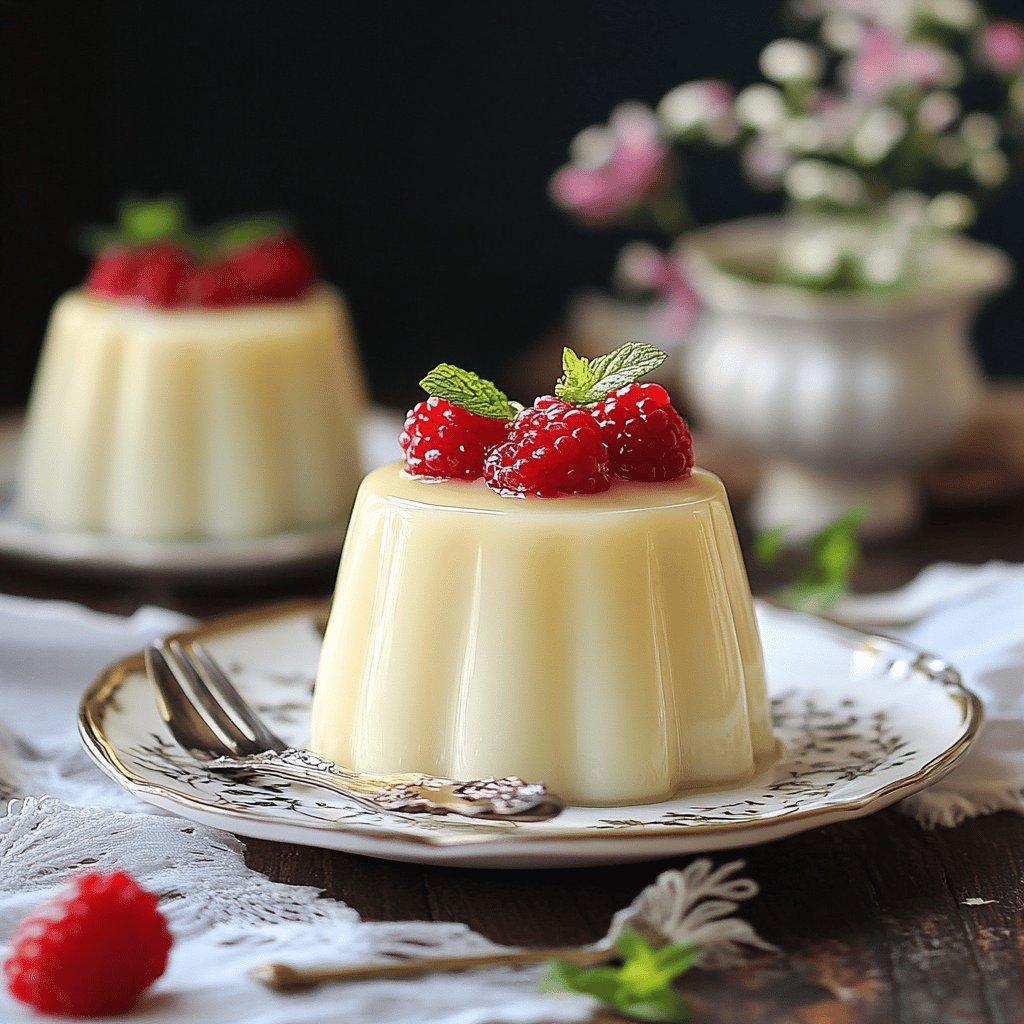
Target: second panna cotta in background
pixel 199 385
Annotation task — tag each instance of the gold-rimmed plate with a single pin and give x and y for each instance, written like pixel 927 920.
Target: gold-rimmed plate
pixel 864 721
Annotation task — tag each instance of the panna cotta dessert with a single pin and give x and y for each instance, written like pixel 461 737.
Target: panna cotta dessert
pixel 180 397
pixel 553 593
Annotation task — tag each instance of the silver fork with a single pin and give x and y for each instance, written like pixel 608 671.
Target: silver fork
pixel 213 722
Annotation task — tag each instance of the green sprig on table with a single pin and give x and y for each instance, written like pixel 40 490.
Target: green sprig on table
pixel 641 987
pixel 832 555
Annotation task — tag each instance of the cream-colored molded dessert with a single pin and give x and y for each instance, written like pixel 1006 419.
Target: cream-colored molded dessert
pixel 171 424
pixel 604 644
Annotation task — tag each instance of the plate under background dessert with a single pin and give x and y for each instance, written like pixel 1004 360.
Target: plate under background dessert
pixel 864 722
pixel 81 554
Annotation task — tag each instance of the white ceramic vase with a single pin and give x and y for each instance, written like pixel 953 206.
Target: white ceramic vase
pixel 844 397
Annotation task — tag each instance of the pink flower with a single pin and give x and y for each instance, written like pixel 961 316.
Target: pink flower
pixel 613 167
pixel 1002 43
pixel 885 60
pixel 641 267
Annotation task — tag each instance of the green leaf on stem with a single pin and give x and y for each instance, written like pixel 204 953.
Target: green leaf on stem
pixel 832 555
pixel 640 988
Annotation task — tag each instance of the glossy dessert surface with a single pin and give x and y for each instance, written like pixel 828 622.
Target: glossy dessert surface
pixel 604 644
pixel 185 423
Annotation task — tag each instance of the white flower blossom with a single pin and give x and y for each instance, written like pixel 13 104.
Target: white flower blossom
pixel 951 211
pixel 760 107
pixel 878 134
pixel 907 207
pixel 803 134
pixel 937 111
pixel 883 265
pixel 980 131
pixel 704 107
pixel 990 168
pixel 959 14
pixel 813 256
pixel 815 180
pixel 842 32
pixel 789 60
pixel 765 162
pixel 592 147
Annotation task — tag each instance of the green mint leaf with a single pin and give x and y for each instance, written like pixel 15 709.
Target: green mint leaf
pixel 667 1005
pixel 586 381
pixel 833 555
pixel 640 988
pixel 142 221
pixel 576 378
pixel 769 544
pixel 675 959
pixel 625 365
pixel 562 976
pixel 465 389
pixel 238 234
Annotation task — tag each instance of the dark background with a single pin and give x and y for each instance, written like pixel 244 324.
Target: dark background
pixel 412 141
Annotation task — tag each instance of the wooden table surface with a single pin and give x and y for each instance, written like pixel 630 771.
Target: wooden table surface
pixel 871 915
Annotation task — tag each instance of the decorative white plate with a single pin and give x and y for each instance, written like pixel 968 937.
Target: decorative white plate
pixel 864 721
pixel 80 553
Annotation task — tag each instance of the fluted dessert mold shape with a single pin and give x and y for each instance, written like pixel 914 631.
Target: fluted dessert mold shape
pixel 604 644
pixel 187 423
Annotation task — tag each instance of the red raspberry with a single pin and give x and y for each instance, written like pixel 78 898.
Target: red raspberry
pixel 444 440
pixel 274 270
pixel 211 285
pixel 647 439
pixel 162 275
pixel 551 450
pixel 112 274
pixel 92 951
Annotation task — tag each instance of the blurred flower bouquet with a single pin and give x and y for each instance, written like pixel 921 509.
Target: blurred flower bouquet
pixel 832 343
pixel 889 128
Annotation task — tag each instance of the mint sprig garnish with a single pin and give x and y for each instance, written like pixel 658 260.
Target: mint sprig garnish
pixel 141 222
pixel 586 381
pixel 832 555
pixel 640 988
pixel 469 391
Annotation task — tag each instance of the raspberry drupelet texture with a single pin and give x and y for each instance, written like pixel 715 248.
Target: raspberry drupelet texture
pixel 92 951
pixel 552 448
pixel 445 441
pixel 647 439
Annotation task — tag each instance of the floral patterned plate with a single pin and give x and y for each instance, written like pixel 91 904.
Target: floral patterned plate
pixel 863 721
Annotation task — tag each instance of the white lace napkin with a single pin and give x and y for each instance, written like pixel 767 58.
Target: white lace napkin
pixel 973 616
pixel 59 814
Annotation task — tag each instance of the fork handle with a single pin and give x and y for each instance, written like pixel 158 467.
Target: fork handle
pixel 506 799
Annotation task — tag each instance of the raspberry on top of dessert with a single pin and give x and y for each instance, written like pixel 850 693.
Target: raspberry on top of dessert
pixel 155 257
pixel 601 424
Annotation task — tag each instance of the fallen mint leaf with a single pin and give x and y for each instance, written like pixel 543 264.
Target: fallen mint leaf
pixel 640 988
pixel 833 553
pixel 769 545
